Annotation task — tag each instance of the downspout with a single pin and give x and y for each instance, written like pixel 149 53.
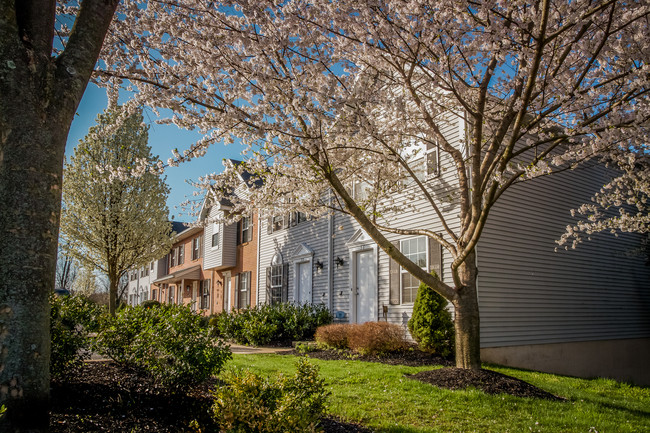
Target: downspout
pixel 330 257
pixel 259 244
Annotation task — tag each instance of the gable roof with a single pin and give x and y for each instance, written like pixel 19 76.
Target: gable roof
pixel 248 178
pixel 178 227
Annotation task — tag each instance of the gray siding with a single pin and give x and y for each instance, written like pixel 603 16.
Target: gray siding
pixel 531 294
pixel 313 234
pixel 226 255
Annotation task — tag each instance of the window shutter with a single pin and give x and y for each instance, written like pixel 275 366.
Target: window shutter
pixel 250 289
pixel 435 257
pixel 237 291
pixel 201 246
pixel 285 282
pixel 269 295
pixel 238 232
pixel 269 225
pixel 393 271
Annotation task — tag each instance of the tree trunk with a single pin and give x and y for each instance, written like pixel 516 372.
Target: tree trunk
pixel 31 165
pixel 466 318
pixel 113 282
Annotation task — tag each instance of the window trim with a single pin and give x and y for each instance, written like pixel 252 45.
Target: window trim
pixel 204 293
pixel 403 271
pixel 246 227
pixel 216 231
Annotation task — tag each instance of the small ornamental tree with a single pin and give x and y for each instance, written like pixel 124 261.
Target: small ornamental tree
pixel 115 220
pixel 431 324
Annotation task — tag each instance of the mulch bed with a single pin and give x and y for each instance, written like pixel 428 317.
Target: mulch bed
pixel 450 377
pixel 105 397
pixel 487 381
pixel 410 358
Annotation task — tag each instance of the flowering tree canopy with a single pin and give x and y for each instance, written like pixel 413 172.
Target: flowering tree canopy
pixel 119 222
pixel 331 94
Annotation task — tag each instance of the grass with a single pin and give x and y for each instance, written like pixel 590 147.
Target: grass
pixel 381 398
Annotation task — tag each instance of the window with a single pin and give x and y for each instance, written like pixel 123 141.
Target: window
pixel 275 289
pixel 415 249
pixel 152 265
pixel 196 247
pixel 205 295
pixel 243 290
pixel 432 159
pixel 246 229
pixel 277 222
pixel 172 258
pixel 154 294
pixel 171 294
pixel 181 254
pixel 215 235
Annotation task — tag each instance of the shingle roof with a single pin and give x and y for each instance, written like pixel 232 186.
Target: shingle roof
pixel 178 226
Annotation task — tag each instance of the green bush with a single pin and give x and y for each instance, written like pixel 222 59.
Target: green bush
pixel 72 319
pixel 431 325
pixel 250 403
pixel 265 324
pixel 150 303
pixel 167 341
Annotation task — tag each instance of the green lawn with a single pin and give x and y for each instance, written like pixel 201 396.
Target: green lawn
pixel 380 397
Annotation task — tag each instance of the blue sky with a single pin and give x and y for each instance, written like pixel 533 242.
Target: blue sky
pixel 162 139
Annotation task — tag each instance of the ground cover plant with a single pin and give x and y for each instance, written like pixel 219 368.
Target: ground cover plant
pixel 382 398
pixel 169 342
pixel 271 324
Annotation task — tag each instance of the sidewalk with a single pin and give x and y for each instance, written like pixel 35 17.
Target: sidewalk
pixel 247 350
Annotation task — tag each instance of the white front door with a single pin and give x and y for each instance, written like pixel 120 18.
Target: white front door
pixel 304 282
pixel 365 287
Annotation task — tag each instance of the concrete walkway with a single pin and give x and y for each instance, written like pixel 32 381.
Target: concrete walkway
pixel 234 348
pixel 246 350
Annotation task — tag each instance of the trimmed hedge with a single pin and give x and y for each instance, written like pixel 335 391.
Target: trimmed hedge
pixel 266 324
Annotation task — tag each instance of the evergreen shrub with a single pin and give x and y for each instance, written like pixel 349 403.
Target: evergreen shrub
pixel 251 403
pixel 72 319
pixel 267 324
pixel 167 341
pixel 431 325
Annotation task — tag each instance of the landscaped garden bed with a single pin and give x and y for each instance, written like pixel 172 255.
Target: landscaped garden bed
pixel 106 397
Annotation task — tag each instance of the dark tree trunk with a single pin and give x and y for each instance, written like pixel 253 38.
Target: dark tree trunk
pixel 466 318
pixel 113 282
pixel 38 98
